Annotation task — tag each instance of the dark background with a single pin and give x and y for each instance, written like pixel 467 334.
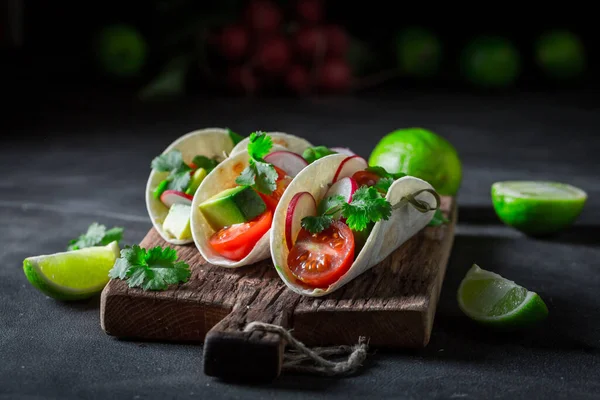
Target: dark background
pixel 52 50
pixel 81 140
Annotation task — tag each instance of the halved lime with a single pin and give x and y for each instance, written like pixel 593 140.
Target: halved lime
pixel 537 207
pixel 492 300
pixel 72 275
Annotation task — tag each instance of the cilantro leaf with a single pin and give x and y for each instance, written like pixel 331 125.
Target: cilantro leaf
pixel 153 269
pixel 179 180
pixel 259 145
pixel 367 206
pixel 316 224
pixel 167 162
pixel 261 175
pixel 204 162
pixel 382 172
pixel 384 184
pixel 438 219
pixel 96 235
pixel 312 154
pixel 235 138
pixel 331 204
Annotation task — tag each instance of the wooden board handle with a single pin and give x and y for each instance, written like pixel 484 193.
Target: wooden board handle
pixel 231 353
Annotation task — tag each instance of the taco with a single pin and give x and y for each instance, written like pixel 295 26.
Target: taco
pixel 176 175
pixel 339 217
pixel 233 208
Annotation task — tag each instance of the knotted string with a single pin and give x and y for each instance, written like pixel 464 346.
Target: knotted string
pixel 297 360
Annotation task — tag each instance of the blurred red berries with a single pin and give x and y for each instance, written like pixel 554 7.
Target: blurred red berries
pixel 259 51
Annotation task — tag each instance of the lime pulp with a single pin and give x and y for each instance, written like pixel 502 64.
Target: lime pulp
pixel 537 207
pixel 72 275
pixel 492 300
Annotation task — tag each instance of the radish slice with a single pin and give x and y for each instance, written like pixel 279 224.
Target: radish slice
pixel 349 166
pixel 345 187
pixel 170 197
pixel 343 150
pixel 302 205
pixel 288 161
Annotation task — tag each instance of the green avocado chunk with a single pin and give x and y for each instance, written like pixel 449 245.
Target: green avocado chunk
pixel 232 206
pixel 197 179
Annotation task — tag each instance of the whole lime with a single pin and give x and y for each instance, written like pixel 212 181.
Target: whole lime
pixel 121 50
pixel 490 62
pixel 560 54
pixel 420 153
pixel 418 52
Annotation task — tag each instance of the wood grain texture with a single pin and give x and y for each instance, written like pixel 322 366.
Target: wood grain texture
pixel 393 304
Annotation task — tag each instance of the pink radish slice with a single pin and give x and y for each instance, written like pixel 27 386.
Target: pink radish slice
pixel 170 197
pixel 288 161
pixel 343 150
pixel 349 166
pixel 345 187
pixel 302 205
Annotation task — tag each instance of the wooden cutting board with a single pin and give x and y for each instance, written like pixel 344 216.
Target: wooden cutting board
pixel 392 305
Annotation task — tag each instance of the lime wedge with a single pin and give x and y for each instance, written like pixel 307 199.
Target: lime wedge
pixel 72 275
pixel 492 300
pixel 536 207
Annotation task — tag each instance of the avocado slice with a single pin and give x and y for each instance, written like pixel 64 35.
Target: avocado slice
pixel 197 179
pixel 232 206
pixel 177 223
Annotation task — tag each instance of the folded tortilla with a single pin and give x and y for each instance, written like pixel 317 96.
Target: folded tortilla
pixel 385 237
pixel 221 178
pixel 209 142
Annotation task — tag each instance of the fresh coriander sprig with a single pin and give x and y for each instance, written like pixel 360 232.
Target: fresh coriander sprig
pixel 259 174
pixel 438 219
pixel 179 172
pixel 367 206
pixel 96 235
pixel 152 269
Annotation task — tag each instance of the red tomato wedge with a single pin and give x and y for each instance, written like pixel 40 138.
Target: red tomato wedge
pixel 321 259
pixel 365 178
pixel 271 200
pixel 237 241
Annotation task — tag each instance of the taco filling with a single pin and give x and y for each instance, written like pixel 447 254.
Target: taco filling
pixel 177 189
pixel 241 215
pixel 325 237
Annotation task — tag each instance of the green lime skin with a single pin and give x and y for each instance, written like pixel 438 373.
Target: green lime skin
pixel 532 313
pixel 536 215
pixel 121 50
pixel 43 287
pixel 423 154
pixel 418 52
pixel 491 62
pixel 560 54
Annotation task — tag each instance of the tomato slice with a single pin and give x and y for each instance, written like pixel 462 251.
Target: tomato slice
pixel 237 241
pixel 321 259
pixel 365 178
pixel 271 200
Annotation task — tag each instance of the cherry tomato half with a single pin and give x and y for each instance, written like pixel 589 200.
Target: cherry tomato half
pixel 365 178
pixel 271 200
pixel 320 259
pixel 237 241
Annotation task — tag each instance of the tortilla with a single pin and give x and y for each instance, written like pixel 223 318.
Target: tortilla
pixel 221 178
pixel 289 142
pixel 209 142
pixel 385 237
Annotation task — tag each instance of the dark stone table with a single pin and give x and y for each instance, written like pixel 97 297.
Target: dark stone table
pixel 67 167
